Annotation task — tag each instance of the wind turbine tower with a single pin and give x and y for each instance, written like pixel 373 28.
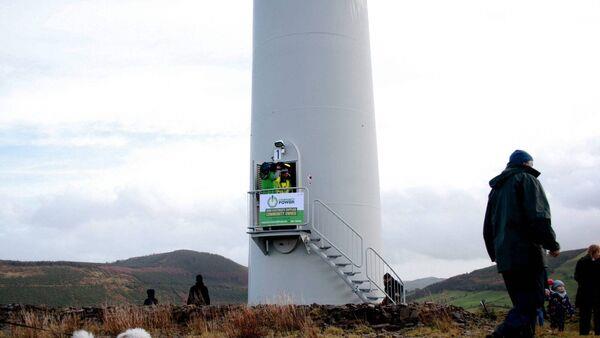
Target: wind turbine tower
pixel 314 205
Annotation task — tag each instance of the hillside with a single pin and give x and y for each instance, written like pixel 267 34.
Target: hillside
pixel 420 283
pixel 467 290
pixel 85 284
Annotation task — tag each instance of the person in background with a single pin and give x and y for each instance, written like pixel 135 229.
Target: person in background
pixel 559 306
pixel 393 290
pixel 540 316
pixel 267 177
pixel 549 284
pixel 198 293
pixel 547 292
pixel 283 182
pixel 541 312
pixel 587 275
pixel 517 228
pixel 151 300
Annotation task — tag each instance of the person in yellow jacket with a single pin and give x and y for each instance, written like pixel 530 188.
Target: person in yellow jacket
pixel 283 183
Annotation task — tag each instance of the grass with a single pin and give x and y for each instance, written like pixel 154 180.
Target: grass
pixel 236 322
pixel 469 300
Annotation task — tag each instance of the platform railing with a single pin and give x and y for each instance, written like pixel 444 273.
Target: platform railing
pixel 335 230
pixel 253 209
pixel 377 268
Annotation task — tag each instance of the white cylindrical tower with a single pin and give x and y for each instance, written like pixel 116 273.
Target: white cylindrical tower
pixel 312 90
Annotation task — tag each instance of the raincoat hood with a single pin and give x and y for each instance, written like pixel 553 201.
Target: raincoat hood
pixel 510 171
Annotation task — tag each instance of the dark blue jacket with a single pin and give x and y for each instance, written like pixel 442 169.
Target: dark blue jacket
pixel 517 225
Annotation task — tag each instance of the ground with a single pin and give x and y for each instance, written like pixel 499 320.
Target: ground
pixel 412 320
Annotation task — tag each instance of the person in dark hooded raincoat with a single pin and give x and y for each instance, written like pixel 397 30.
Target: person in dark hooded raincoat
pixel 393 290
pixel 517 228
pixel 198 294
pixel 587 275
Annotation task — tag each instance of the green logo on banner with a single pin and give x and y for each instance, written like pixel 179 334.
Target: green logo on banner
pixel 272 201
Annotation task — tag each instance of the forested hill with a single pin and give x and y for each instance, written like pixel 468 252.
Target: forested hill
pixel 81 284
pixel 421 283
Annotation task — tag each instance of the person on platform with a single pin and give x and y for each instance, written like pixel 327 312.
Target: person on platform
pixel 283 182
pixel 151 300
pixel 517 228
pixel 587 275
pixel 268 174
pixel 393 290
pixel 198 293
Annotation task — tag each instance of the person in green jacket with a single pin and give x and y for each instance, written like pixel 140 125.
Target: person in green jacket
pixel 517 228
pixel 268 175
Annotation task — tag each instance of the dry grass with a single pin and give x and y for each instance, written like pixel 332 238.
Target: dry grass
pixel 155 319
pixel 246 322
pixel 333 331
pixel 444 323
pixel 236 321
pixel 49 326
pixel 267 320
pixel 285 318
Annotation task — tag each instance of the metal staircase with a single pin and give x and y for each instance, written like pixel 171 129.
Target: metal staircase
pixel 346 256
pixel 326 233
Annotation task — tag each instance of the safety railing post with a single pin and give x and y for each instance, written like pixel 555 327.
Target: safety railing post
pixel 344 244
pixel 375 275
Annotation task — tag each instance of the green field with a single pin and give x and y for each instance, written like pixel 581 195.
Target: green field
pixel 467 290
pixel 469 299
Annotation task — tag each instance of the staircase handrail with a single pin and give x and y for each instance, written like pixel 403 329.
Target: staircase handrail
pixel 348 226
pixel 374 279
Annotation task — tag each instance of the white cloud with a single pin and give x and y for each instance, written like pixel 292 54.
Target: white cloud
pixel 131 223
pixel 170 99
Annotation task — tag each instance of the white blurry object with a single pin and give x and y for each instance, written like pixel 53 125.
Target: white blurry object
pixel 135 333
pixel 82 334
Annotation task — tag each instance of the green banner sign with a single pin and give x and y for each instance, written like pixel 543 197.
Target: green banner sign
pixel 281 209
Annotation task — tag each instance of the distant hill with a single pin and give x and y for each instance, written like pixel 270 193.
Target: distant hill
pixel 84 284
pixel 467 290
pixel 420 283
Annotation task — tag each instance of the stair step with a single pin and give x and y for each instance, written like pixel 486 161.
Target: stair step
pixel 374 297
pixel 334 256
pixel 342 264
pixel 359 281
pixel 366 289
pixel 325 247
pixel 351 273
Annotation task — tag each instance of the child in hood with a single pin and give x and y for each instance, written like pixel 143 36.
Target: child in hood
pixel 559 306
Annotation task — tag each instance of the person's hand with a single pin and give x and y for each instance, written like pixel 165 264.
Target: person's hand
pixel 555 253
pixel 547 292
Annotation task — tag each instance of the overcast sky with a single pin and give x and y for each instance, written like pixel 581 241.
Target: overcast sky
pixel 124 125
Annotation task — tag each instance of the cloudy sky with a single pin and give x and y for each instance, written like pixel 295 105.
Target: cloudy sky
pixel 124 125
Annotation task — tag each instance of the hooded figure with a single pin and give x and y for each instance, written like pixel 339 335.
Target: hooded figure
pixel 198 293
pixel 517 229
pixel 151 300
pixel 393 290
pixel 268 174
pixel 587 275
